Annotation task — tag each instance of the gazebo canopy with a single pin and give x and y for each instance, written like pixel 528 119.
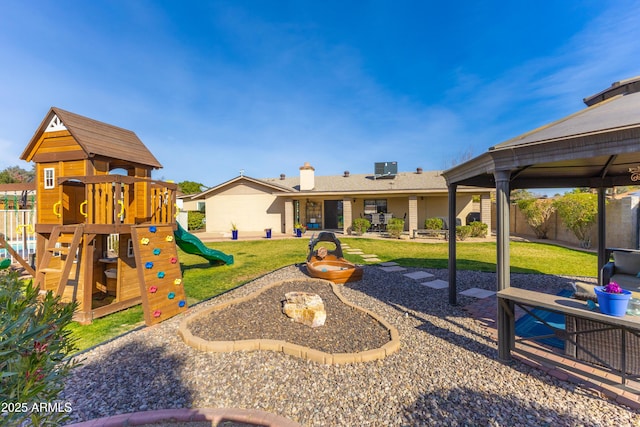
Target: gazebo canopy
pixel 594 147
pixel 598 147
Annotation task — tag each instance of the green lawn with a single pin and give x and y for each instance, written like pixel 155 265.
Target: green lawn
pixel 256 258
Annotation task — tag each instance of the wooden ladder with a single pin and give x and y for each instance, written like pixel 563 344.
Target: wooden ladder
pixel 69 238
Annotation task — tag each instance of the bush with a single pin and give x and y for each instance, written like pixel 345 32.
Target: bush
pixel 578 211
pixel 195 220
pixel 463 231
pixel 434 224
pixel 395 227
pixel 34 340
pixel 478 229
pixel 537 213
pixel 361 225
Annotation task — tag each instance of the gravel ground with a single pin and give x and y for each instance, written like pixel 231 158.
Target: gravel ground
pixel 445 373
pixel 262 317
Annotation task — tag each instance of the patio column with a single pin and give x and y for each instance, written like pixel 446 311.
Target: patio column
pixel 602 232
pixel 506 328
pixel 485 210
pixel 347 215
pixel 413 214
pixel 288 216
pixel 453 292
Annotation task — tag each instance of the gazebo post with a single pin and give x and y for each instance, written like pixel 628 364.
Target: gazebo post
pixel 505 325
pixel 453 292
pixel 602 232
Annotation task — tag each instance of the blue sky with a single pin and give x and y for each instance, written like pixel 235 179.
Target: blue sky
pixel 215 87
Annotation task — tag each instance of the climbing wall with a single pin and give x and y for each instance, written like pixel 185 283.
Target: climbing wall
pixel 159 272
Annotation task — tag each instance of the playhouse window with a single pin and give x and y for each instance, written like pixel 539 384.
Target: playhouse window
pixel 49 178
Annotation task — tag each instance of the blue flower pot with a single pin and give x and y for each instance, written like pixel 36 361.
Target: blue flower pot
pixel 234 234
pixel 613 304
pixel 298 232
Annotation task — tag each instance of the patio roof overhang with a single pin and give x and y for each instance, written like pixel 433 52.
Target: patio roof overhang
pixel 598 147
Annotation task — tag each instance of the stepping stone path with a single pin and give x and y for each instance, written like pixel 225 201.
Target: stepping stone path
pixel 477 293
pixel 388 264
pixel 436 284
pixel 417 275
pixel 392 268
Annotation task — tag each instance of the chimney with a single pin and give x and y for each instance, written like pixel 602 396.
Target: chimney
pixel 307 177
pixel 346 174
pixel 419 170
pixel 282 177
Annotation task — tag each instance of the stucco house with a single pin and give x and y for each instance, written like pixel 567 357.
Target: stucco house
pixel 332 202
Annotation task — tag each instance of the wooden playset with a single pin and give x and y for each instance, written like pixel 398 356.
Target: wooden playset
pixel 103 239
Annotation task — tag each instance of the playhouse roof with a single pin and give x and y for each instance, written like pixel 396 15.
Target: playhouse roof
pixel 95 138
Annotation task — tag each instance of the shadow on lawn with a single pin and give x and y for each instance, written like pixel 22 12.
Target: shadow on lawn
pixel 462 264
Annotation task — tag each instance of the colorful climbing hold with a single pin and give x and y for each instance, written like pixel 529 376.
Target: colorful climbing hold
pixel 156 251
pixel 152 229
pixel 160 274
pixel 171 295
pixel 153 289
pixel 177 282
pixel 169 238
pixel 182 303
pixel 173 260
pixel 149 265
pixel 157 313
pixel 144 240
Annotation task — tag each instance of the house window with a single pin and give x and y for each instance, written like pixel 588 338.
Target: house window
pixel 200 206
pixel 375 206
pixel 49 178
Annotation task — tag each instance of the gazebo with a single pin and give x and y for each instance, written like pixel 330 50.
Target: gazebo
pixel 598 147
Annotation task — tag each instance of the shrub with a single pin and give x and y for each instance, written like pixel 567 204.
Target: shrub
pixel 463 231
pixel 434 224
pixel 395 227
pixel 537 213
pixel 478 229
pixel 360 225
pixel 34 340
pixel 195 220
pixel 578 211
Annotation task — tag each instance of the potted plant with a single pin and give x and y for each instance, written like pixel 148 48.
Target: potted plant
pixel 299 228
pixel 234 231
pixel 612 299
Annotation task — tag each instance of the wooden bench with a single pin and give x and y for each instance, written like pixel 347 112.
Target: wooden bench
pixel 627 347
pixel 431 233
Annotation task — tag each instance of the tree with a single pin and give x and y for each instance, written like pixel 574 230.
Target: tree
pixel 521 194
pixel 537 213
pixel 15 174
pixel 190 187
pixel 459 158
pixel 578 211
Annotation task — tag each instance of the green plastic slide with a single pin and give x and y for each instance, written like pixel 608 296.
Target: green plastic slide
pixel 192 245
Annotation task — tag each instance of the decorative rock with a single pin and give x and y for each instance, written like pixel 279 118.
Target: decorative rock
pixel 305 308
